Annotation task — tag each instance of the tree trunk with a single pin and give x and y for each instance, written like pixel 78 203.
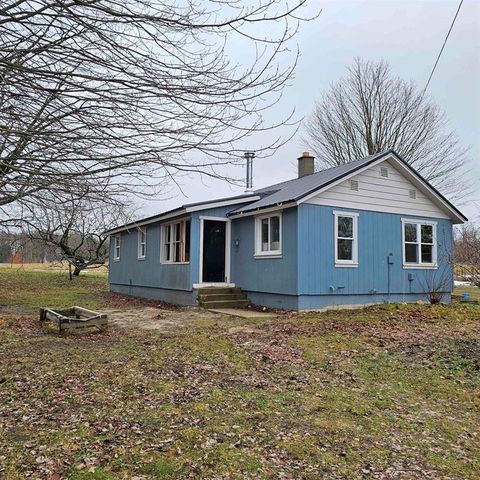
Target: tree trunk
pixel 77 271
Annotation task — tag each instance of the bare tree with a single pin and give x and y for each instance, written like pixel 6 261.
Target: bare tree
pixel 134 92
pixel 467 253
pixel 76 228
pixel 371 110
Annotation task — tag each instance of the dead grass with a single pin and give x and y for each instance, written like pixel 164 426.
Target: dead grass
pixel 50 266
pixel 384 392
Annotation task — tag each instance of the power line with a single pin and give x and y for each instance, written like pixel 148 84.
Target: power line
pixel 443 46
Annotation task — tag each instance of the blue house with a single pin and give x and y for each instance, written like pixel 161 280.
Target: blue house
pixel 370 231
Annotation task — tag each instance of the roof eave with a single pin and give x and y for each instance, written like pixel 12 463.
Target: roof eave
pixel 456 215
pixel 185 209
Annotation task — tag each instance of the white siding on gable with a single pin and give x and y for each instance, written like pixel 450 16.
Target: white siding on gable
pixel 380 194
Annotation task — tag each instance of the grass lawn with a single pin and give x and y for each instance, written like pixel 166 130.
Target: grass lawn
pixel 473 291
pixel 385 392
pixel 32 288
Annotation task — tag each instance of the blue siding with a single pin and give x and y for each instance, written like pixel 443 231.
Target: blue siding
pixel 305 277
pixel 318 302
pixel 379 235
pixel 179 297
pixel 267 275
pixel 149 272
pixel 273 300
pixel 141 277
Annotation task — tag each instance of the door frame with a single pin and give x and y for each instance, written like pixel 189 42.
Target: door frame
pixel 228 234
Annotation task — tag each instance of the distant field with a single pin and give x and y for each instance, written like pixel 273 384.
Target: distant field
pixel 50 267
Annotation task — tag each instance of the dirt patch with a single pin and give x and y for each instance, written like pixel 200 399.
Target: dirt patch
pixel 154 318
pixel 139 317
pixel 6 310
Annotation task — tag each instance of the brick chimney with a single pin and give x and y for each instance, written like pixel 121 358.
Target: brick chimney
pixel 306 164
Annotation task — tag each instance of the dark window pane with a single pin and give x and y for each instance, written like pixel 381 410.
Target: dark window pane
pixel 167 234
pixel 275 233
pixel 265 235
pixel 345 249
pixel 177 252
pixel 345 227
pixel 177 232
pixel 427 253
pixel 411 253
pixel 410 232
pixel 187 241
pixel 167 252
pixel 427 234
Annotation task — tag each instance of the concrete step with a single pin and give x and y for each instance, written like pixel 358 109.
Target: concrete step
pixel 212 297
pixel 226 304
pixel 218 290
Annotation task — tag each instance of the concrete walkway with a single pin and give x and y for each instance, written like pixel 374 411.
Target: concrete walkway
pixel 242 312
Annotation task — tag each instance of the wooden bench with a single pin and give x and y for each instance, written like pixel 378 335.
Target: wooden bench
pixel 74 317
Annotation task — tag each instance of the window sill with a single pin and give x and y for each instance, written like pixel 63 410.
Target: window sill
pixel 141 258
pixel 174 263
pixel 116 259
pixel 426 266
pixel 261 256
pixel 346 265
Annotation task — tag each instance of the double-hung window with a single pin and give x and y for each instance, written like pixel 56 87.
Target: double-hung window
pixel 116 247
pixel 176 242
pixel 346 239
pixel 419 243
pixel 142 243
pixel 268 235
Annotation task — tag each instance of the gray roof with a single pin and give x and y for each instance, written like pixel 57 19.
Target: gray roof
pixel 180 210
pixel 293 190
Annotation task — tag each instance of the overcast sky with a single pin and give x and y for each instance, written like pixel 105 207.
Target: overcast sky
pixel 409 35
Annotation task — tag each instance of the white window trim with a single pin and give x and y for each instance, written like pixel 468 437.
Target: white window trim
pixel 139 243
pixel 346 263
pixel 258 237
pixel 116 258
pixel 162 242
pixel 418 223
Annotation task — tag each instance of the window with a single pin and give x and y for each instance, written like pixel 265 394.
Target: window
pixel 346 239
pixel 268 235
pixel 176 242
pixel 116 247
pixel 142 243
pixel 419 243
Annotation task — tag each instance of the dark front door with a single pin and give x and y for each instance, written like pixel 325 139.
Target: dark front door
pixel 213 251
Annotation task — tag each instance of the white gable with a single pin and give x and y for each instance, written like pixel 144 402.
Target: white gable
pixel 391 194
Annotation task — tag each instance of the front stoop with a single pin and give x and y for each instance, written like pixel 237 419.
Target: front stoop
pixel 221 297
